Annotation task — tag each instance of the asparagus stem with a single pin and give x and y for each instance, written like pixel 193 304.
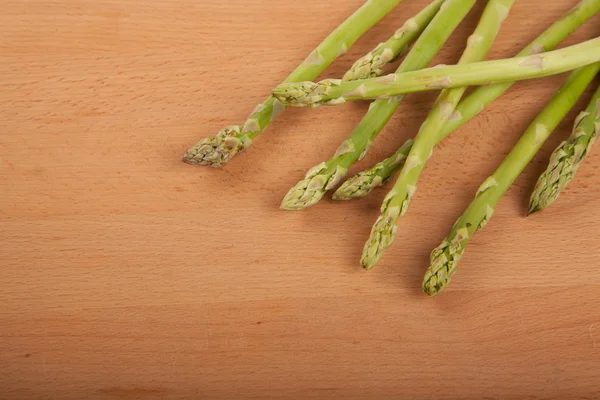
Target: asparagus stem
pixel 568 157
pixel 398 199
pixel 216 151
pixel 483 96
pixel 328 174
pixel 445 258
pixel 332 91
pixel 371 65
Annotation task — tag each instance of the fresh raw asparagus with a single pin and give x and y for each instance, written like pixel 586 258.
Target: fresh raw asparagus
pixel 568 157
pixel 398 199
pixel 371 65
pixel 332 91
pixel 216 151
pixel 472 105
pixel 445 258
pixel 328 174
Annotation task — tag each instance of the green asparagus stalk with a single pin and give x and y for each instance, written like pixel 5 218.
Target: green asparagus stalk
pixel 473 104
pixel 371 65
pixel 332 91
pixel 445 258
pixel 216 151
pixel 568 157
pixel 398 199
pixel 328 174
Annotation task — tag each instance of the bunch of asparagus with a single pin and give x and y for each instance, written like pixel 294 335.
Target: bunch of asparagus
pixel 418 40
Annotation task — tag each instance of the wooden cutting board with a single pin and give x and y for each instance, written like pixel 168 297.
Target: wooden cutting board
pixel 126 274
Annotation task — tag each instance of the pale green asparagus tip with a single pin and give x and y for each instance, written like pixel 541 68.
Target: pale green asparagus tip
pixel 359 185
pixel 216 151
pixel 559 174
pixel 306 193
pixel 443 262
pixel 312 188
pixel 306 94
pixel 382 235
pixel 564 163
pixel 370 65
pixel 364 182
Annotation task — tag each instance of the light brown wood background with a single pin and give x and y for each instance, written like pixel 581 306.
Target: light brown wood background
pixel 126 274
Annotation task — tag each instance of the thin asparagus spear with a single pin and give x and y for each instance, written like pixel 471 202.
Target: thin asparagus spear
pixel 445 258
pixel 398 199
pixel 371 65
pixel 326 175
pixel 568 157
pixel 474 103
pixel 216 151
pixel 332 91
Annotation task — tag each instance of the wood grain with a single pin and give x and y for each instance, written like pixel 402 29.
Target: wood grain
pixel 126 274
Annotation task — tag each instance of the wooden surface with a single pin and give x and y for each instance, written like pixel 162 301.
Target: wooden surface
pixel 126 274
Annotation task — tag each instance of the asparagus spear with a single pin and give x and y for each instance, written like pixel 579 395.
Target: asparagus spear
pixel 398 199
pixel 216 151
pixel 445 258
pixel 568 157
pixel 326 175
pixel 473 104
pixel 332 91
pixel 371 65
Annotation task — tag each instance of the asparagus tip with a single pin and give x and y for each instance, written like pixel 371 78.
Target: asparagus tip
pixel 312 188
pixel 381 238
pixel 432 286
pixel 306 94
pixel 532 210
pixel 366 267
pixel 368 66
pixel 360 185
pixel 292 93
pixel 216 151
pixel 306 193
pixel 443 262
